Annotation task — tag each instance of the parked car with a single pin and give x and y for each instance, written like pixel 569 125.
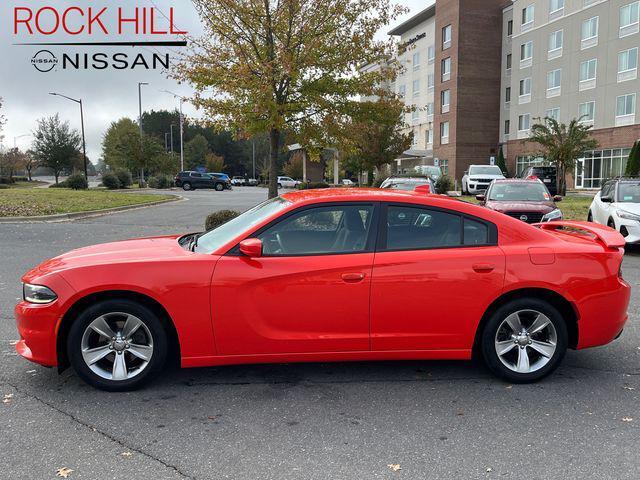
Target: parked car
pixel 547 175
pixel 429 170
pixel 348 183
pixel 252 182
pixel 195 180
pixel 526 200
pixel 287 182
pixel 478 178
pixel 409 183
pixel 223 177
pixel 237 181
pixel 516 294
pixel 617 205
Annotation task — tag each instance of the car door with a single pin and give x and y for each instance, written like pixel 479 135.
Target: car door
pixel 434 275
pixel 308 292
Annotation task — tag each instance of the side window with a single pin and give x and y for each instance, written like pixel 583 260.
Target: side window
pixel 317 231
pixel 415 228
pixel 475 233
pixel 196 175
pixel 607 190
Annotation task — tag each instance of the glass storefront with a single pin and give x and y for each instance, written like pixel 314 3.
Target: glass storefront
pixel 599 165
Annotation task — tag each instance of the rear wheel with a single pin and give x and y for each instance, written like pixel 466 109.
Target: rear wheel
pixel 524 340
pixel 219 187
pixel 117 345
pixel 186 186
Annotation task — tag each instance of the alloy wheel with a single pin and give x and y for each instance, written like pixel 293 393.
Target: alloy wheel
pixel 526 341
pixel 117 346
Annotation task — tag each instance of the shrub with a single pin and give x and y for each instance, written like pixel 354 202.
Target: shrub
pixel 3 186
pixel 216 219
pixel 77 181
pixel 444 185
pixel 124 178
pixel 7 180
pixel 161 181
pixel 313 185
pixel 378 181
pixel 111 181
pixel 63 184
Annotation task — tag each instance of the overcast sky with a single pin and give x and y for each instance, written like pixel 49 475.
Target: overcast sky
pixel 107 94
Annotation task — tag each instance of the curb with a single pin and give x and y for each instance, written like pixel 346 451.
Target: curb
pixel 65 217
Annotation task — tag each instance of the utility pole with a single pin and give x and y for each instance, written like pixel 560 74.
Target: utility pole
pixel 140 84
pixel 166 142
pixel 253 144
pixel 172 125
pixel 181 98
pixel 84 145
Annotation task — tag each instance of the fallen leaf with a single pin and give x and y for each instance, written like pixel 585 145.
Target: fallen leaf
pixel 627 387
pixel 394 466
pixel 460 414
pixel 7 398
pixel 63 472
pixel 489 469
pixel 627 419
pixel 126 454
pixel 509 387
pixel 13 343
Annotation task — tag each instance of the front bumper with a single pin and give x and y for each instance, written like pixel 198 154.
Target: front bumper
pixel 477 187
pixel 631 228
pixel 37 326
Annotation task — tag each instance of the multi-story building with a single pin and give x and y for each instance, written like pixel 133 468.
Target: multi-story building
pixel 572 59
pixel 481 72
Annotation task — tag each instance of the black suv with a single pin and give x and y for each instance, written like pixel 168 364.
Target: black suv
pixel 547 175
pixel 193 180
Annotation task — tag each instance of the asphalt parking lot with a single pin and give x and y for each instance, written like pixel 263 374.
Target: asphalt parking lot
pixel 316 421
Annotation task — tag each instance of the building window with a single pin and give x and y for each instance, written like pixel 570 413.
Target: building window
pixel 402 90
pixel 554 81
pixel 628 65
pixel 415 115
pixel 587 112
pixel 444 166
pixel 507 127
pixel 527 17
pixel 431 82
pixel 599 165
pixel 446 37
pixel 510 28
pixel 429 109
pixel 428 137
pixel 526 54
pixel 416 61
pixel 555 8
pixel 524 124
pixel 629 19
pixel 507 94
pixel 416 88
pixel 525 91
pixel 553 113
pixel 588 72
pixel 431 53
pixel 625 109
pixel 526 161
pixel 589 33
pixel 556 41
pixel 446 69
pixel 414 140
pixel 445 98
pixel 509 60
pixel 444 133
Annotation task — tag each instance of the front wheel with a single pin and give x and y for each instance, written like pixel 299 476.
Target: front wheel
pixel 219 187
pixel 186 186
pixel 524 340
pixel 117 345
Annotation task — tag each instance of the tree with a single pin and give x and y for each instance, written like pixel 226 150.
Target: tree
pixel 268 65
pixel 562 144
pixel 195 152
pixel 375 137
pixel 2 121
pixel 214 163
pixel 11 161
pixel 502 163
pixel 30 163
pixel 293 168
pixel 633 163
pixel 55 144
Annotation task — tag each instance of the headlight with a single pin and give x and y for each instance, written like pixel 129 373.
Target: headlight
pixel 628 215
pixel 552 215
pixel 37 294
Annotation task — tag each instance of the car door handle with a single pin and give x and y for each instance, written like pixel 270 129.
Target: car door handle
pixel 483 267
pixel 353 277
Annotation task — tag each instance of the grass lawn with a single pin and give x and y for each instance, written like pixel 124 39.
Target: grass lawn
pixel 574 207
pixel 33 184
pixel 23 202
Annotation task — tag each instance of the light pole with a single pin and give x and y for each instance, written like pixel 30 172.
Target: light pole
pixel 84 145
pixel 171 127
pixel 181 128
pixel 140 84
pixel 253 144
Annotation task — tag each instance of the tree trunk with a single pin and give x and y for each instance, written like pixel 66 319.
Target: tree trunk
pixel 29 174
pixel 274 140
pixel 56 174
pixel 370 177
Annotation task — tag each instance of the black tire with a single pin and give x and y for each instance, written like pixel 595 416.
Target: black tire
pixel 490 331
pixel 148 318
pixel 590 217
pixel 219 187
pixel 279 185
pixel 611 224
pixel 186 186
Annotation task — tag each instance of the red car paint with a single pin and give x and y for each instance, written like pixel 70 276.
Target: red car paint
pixel 418 304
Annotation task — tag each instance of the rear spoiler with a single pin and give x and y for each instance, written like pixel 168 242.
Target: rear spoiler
pixel 609 237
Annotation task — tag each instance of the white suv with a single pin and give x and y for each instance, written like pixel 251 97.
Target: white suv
pixel 478 178
pixel 287 182
pixel 617 205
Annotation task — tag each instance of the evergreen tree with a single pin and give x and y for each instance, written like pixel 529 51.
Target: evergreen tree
pixel 502 163
pixel 633 164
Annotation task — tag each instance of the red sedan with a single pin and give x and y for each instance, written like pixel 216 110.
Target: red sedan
pixel 330 275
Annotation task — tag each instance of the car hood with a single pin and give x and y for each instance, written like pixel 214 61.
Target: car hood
pixel 629 207
pixel 127 251
pixel 534 207
pixel 479 175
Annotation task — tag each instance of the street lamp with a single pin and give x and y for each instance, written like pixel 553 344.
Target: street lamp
pixel 140 84
pixel 84 147
pixel 175 95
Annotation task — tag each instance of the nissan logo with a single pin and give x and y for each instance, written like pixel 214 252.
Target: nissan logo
pixel 524 218
pixel 44 61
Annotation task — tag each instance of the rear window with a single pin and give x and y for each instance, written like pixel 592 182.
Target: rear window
pixel 551 171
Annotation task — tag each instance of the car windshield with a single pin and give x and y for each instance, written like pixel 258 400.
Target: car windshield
pixel 519 192
pixel 216 238
pixel 406 185
pixel 488 170
pixel 629 192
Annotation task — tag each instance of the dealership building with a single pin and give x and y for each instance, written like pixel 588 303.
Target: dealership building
pixel 480 72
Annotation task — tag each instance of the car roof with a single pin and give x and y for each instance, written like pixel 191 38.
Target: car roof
pixel 517 180
pixel 357 194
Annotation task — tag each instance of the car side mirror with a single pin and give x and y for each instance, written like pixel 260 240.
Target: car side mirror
pixel 605 199
pixel 557 198
pixel 480 198
pixel 251 247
